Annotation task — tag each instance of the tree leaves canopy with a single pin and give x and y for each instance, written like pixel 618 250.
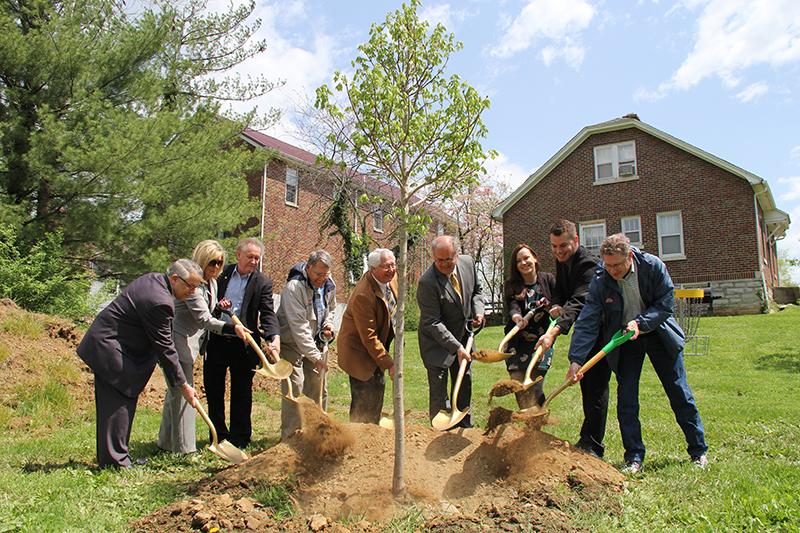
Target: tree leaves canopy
pixel 112 131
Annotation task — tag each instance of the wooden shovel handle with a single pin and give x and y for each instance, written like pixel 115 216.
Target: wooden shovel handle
pixel 204 415
pixel 514 331
pixel 538 353
pixel 251 341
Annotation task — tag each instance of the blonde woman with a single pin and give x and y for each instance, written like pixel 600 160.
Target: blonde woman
pixel 193 319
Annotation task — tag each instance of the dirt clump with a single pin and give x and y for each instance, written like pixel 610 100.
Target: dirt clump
pixel 505 387
pixel 326 436
pixel 457 477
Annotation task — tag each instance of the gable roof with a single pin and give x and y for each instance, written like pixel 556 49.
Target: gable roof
pixel 775 218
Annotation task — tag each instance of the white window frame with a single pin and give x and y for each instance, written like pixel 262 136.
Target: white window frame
pixel 682 253
pixel 615 161
pixel 638 220
pixel 377 218
pixel 291 187
pixel 583 226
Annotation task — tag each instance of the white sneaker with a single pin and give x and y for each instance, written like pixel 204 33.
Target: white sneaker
pixel 700 462
pixel 632 467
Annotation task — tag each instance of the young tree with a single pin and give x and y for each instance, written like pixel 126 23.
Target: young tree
pixel 111 127
pixel 417 129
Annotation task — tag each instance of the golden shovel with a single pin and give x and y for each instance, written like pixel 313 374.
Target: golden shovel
pixel 281 369
pixel 223 449
pixel 491 356
pixel 444 420
pixel 507 386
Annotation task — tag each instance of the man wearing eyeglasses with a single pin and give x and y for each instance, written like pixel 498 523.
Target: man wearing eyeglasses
pixel 122 347
pixel 450 297
pixel 306 319
pixel 248 293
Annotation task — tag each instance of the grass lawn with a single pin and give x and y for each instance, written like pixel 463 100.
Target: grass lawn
pixel 746 389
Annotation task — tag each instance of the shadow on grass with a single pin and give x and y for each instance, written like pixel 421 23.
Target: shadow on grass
pixel 30 468
pixel 785 360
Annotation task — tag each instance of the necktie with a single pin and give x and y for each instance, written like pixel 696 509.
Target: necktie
pixel 456 285
pixel 391 303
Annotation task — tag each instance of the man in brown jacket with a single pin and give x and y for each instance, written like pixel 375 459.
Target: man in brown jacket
pixel 366 333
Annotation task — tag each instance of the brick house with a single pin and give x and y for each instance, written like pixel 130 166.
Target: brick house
pixel 714 224
pixel 294 194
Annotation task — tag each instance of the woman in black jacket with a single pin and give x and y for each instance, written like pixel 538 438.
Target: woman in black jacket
pixel 526 288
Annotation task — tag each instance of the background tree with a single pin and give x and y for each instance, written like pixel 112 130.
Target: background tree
pixel 480 235
pixel 417 129
pixel 787 269
pixel 112 132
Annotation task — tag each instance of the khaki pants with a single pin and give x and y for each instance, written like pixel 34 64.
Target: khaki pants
pixel 307 381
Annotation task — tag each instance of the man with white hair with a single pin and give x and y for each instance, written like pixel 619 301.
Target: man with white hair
pixel 366 334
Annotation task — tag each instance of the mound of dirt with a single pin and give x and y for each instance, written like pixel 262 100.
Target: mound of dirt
pixel 469 478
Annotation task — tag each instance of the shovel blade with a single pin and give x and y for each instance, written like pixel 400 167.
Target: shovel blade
pixel 491 356
pixel 444 420
pixel 280 370
pixel 229 452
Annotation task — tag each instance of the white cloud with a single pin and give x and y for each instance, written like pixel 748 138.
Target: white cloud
pixel 794 154
pixel 443 14
pixel 753 91
pixel 503 169
pixel 557 22
pixel 300 54
pixel 793 192
pixel 733 36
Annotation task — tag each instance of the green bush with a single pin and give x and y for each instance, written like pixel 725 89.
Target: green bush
pixel 42 278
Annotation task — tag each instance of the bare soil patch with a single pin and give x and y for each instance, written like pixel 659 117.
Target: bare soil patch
pixel 461 480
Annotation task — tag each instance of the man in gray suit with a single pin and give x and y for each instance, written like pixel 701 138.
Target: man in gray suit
pixel 122 347
pixel 449 296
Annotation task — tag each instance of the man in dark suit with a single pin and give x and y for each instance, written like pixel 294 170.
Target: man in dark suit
pixel 122 347
pixel 366 335
pixel 250 295
pixel 449 295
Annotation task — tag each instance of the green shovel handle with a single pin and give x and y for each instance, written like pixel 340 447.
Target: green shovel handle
pixel 619 338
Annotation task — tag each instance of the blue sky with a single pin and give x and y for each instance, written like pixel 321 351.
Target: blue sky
pixel 723 75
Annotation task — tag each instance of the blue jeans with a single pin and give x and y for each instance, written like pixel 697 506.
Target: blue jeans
pixel 672 374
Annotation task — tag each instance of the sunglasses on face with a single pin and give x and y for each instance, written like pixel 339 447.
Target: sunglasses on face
pixel 215 262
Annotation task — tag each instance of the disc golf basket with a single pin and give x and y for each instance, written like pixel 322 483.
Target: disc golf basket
pixel 689 307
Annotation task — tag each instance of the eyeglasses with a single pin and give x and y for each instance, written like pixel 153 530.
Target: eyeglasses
pixel 193 287
pixel 216 263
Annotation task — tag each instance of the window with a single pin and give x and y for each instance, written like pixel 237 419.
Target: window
pixel 614 162
pixel 377 219
pixel 632 228
pixel 670 235
pixel 591 235
pixel 292 181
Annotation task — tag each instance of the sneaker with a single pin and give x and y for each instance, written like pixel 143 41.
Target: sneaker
pixel 632 467
pixel 700 462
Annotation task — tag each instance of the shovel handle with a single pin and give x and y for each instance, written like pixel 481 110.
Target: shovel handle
pixel 538 353
pixel 515 330
pixel 462 368
pixel 251 341
pixel 211 428
pixel 618 339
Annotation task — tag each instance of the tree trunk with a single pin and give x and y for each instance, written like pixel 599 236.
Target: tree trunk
pixel 398 477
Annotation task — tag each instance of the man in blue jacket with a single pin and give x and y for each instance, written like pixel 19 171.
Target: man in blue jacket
pixel 633 291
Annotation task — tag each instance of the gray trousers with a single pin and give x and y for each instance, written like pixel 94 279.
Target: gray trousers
pixel 438 397
pixel 177 432
pixel 307 381
pixel 114 419
pixel 366 398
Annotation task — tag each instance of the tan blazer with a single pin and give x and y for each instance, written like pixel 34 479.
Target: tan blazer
pixel 366 331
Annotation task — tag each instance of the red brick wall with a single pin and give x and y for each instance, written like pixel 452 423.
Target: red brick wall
pixel 717 207
pixel 291 233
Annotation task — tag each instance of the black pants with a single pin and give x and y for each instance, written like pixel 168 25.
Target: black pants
pixel 438 397
pixel 594 393
pixel 366 398
pixel 230 354
pixel 114 419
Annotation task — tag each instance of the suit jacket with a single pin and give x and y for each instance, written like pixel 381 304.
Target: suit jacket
pixel 257 309
pixel 131 334
pixel 366 332
pixel 443 316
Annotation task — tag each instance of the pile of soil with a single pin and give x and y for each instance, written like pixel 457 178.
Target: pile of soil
pixel 462 479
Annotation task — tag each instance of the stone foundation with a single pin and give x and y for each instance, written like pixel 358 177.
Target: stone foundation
pixel 733 297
